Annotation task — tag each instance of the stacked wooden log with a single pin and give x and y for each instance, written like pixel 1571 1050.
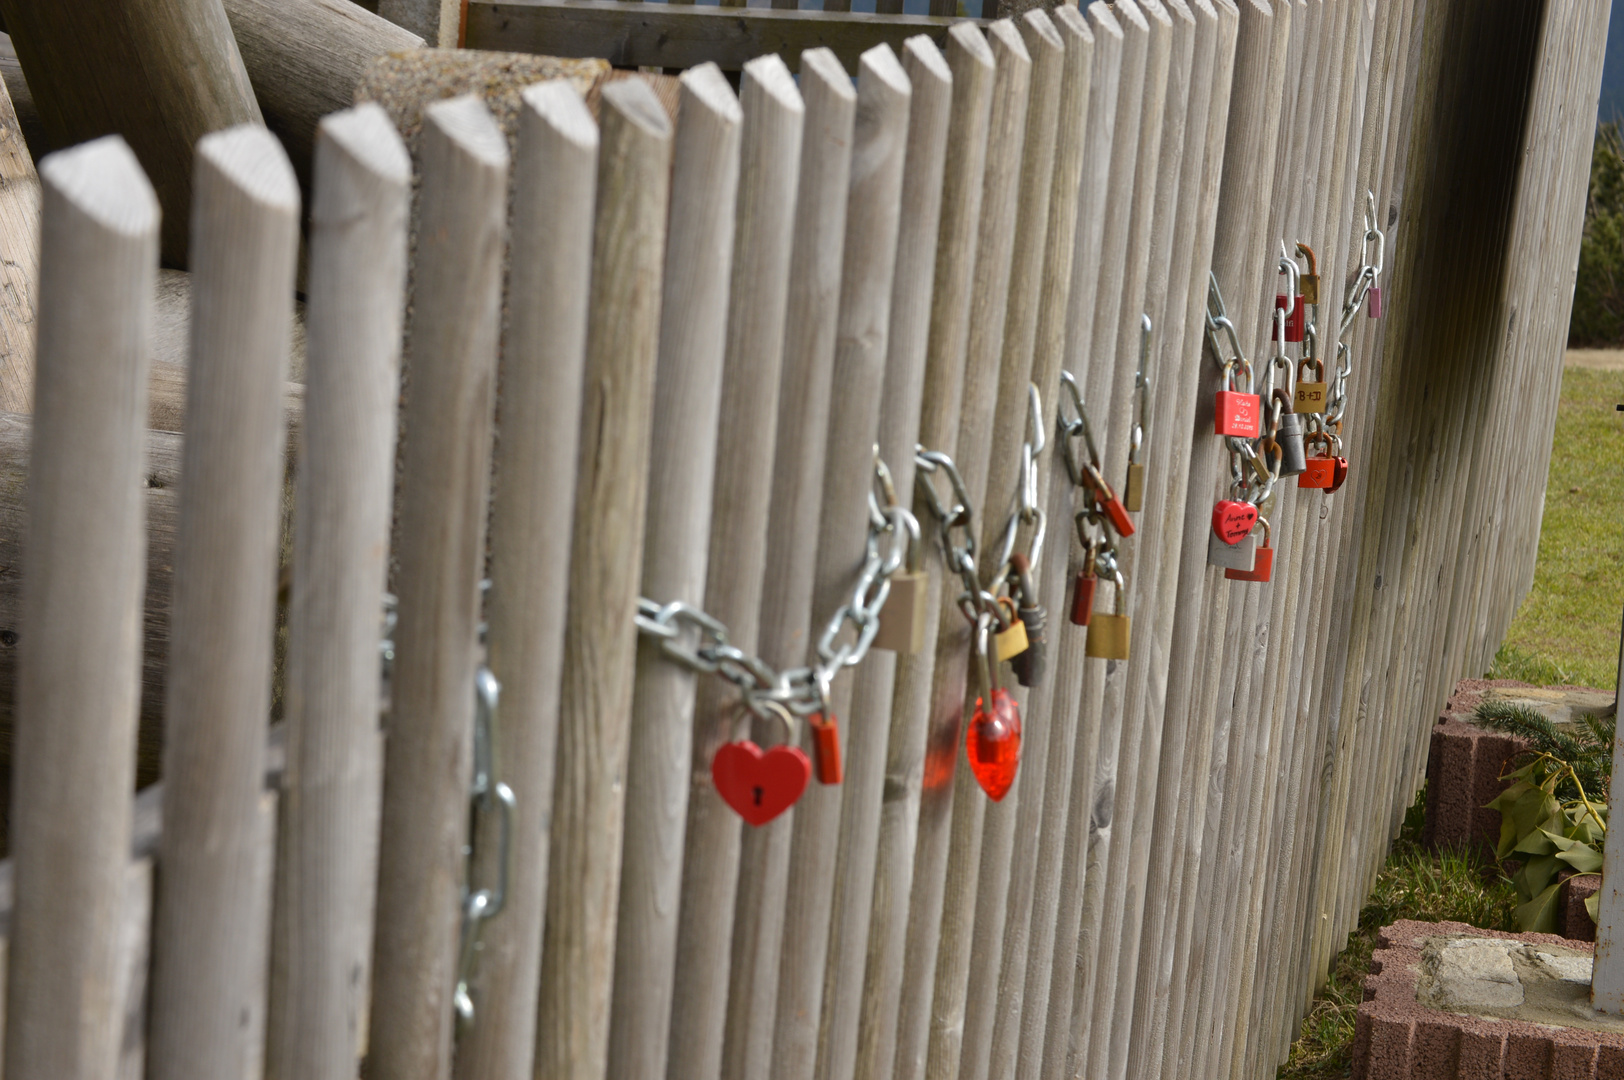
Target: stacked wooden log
pixel 701 343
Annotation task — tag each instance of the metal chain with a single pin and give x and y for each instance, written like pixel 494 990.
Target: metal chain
pixel 1026 510
pixel 1367 278
pixel 700 642
pixel 955 524
pixel 1252 474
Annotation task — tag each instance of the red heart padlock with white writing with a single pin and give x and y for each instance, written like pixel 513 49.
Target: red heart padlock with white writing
pixel 1232 520
pixel 1238 413
pixel 759 785
pixel 1262 560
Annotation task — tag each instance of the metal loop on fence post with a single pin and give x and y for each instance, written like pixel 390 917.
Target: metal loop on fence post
pixel 486 794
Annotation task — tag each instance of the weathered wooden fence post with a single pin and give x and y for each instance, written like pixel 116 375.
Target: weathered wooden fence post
pixel 78 683
pixel 770 165
pixel 327 839
pixel 428 761
pixel 682 465
pixel 218 853
pixel 543 356
pixel 583 878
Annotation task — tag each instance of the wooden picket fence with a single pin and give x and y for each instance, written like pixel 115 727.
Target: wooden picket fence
pixel 704 328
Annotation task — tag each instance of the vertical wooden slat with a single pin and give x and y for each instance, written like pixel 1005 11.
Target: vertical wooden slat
pixel 873 212
pixel 543 355
pixel 208 994
pixel 19 226
pixel 1057 887
pixel 78 680
pixel 451 357
pixel 1035 183
pixel 1179 363
pixel 908 790
pixel 770 162
pixel 785 629
pixel 855 898
pixel 682 458
pixel 577 959
pixel 437 22
pixel 933 1010
pixel 326 874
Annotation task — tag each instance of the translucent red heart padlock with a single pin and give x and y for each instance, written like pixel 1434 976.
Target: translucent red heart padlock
pixel 993 741
pixel 759 785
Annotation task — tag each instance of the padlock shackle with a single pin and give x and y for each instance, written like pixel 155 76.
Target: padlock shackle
pixel 1313 263
pixel 1288 267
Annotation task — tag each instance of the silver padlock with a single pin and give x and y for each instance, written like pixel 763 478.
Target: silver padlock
pixel 1293 457
pixel 1238 556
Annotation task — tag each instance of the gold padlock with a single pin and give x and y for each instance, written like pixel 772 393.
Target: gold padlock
pixel 1308 284
pixel 1011 641
pixel 1310 396
pixel 1108 634
pixel 1133 492
pixel 902 619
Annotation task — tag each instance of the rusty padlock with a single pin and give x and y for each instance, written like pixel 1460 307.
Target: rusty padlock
pixel 1309 284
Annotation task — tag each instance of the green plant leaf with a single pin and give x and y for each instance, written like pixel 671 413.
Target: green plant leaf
pixel 1593 906
pixel 1538 916
pixel 1562 843
pixel 1583 858
pixel 1535 875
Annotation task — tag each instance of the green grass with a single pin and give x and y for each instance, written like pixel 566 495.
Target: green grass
pixel 1450 886
pixel 1567 628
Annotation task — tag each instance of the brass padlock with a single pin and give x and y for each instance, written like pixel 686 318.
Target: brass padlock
pixel 1108 634
pixel 1133 492
pixel 1010 641
pixel 1310 397
pixel 902 619
pixel 1309 283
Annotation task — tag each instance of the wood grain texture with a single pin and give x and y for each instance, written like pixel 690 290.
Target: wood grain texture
pixel 855 897
pixel 438 22
pixel 784 633
pixel 19 268
pixel 78 680
pixel 682 466
pixel 161 73
pixel 629 33
pixel 894 932
pixel 326 872
pixel 747 425
pixel 208 994
pixel 1011 428
pixel 446 427
pixel 539 406
pixel 583 882
pixel 1058 884
pixel 304 59
pixel 873 213
pixel 936 1044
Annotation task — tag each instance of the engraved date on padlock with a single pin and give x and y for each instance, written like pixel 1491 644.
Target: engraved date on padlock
pixel 902 619
pixel 1237 414
pixel 1230 557
pixel 1133 492
pixel 1310 398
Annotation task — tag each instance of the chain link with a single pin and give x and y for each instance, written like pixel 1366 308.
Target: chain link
pixel 955 524
pixel 699 642
pixel 1026 510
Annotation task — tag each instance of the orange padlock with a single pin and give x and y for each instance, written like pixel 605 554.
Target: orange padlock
pixel 826 747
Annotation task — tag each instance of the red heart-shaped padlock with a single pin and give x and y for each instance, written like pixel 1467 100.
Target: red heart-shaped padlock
pixel 1339 473
pixel 759 786
pixel 993 744
pixel 1232 520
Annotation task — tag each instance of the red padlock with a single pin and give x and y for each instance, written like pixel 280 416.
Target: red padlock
pixel 1326 470
pixel 1237 414
pixel 1296 318
pixel 1082 594
pixel 1319 473
pixel 1339 474
pixel 1373 302
pixel 1232 520
pixel 1108 502
pixel 826 745
pixel 1262 561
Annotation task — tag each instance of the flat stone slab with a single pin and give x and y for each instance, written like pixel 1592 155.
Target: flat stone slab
pixel 1447 1000
pixel 1561 705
